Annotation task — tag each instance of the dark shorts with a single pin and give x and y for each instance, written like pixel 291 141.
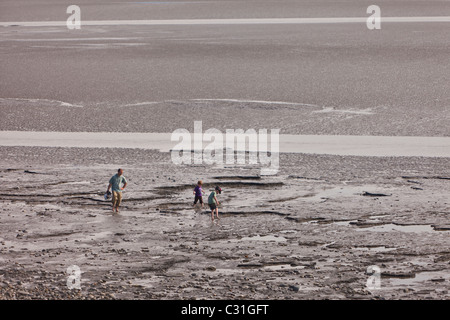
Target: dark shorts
pixel 198 198
pixel 212 206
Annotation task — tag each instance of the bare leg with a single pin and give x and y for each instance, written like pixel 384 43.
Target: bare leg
pixel 217 213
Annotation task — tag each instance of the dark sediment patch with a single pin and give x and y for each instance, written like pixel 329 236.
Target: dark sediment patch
pixel 373 246
pixel 221 256
pixel 441 227
pixel 250 265
pixel 413 181
pixel 304 178
pixel 229 184
pixel 218 236
pixel 302 220
pixel 50 235
pixel 237 177
pixel 253 213
pixel 4 196
pixel 292 262
pixel 330 221
pixel 34 172
pixel 443 256
pixel 426 177
pixel 290 198
pixel 401 275
pixel 40 186
pixel 88 198
pixel 311 243
pixel 143 199
pixel 370 194
pixel 10 169
pixel 366 224
pixel 169 211
pixel 162 264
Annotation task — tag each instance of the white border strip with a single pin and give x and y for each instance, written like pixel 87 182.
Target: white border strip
pixel 384 146
pixel 224 21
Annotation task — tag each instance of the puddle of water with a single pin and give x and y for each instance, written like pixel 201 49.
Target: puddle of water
pixel 375 249
pixel 421 277
pixel 226 271
pixel 417 228
pixel 264 238
pixel 393 227
pixel 283 267
pixel 260 238
pixel 338 223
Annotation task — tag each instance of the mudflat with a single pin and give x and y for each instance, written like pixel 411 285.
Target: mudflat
pixel 309 232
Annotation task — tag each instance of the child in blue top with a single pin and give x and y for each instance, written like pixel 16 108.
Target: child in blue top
pixel 214 203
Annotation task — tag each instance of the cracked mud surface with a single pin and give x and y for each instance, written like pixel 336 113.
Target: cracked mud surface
pixel 310 232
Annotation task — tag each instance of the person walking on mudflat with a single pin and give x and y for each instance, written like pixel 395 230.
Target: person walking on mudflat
pixel 198 191
pixel 214 203
pixel 115 183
